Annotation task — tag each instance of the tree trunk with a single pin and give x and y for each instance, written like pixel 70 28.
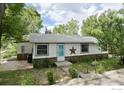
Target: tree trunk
pixel 0 40
pixel 2 8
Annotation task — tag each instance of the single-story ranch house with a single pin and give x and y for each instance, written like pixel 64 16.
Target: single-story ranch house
pixel 58 47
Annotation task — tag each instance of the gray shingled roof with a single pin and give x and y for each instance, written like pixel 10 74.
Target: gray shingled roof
pixel 52 38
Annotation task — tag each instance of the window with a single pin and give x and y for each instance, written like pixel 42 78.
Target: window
pixel 84 47
pixel 42 50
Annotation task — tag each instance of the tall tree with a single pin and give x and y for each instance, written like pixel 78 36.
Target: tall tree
pixel 2 8
pixel 107 28
pixel 19 20
pixel 71 28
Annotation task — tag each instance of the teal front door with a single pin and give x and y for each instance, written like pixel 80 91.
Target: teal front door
pixel 60 52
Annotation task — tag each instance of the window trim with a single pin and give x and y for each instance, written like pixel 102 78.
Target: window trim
pixel 81 48
pixel 40 54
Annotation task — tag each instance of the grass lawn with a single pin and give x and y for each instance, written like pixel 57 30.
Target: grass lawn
pixel 102 66
pixel 37 76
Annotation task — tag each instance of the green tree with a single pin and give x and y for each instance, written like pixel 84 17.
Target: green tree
pixel 71 28
pixel 18 21
pixel 107 28
pixel 2 8
pixel 60 29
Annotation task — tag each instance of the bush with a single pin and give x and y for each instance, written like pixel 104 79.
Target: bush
pixel 88 59
pixel 11 51
pixel 80 59
pixel 28 80
pixel 72 59
pixel 50 77
pixel 43 63
pixel 100 69
pixel 73 72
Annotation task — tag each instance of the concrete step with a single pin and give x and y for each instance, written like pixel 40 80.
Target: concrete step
pixel 63 64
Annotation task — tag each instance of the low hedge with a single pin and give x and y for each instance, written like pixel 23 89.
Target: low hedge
pixel 80 59
pixel 43 63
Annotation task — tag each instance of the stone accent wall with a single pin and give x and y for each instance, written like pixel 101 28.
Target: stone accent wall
pixel 87 57
pixel 54 59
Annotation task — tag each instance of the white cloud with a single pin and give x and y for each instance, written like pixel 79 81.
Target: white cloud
pixel 62 13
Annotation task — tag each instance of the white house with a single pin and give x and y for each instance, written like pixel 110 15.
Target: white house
pixel 59 46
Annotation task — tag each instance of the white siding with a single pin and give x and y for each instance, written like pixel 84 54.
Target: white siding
pixel 69 46
pixel 93 49
pixel 51 51
pixel 28 47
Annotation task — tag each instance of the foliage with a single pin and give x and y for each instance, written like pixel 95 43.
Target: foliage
pixel 102 65
pixel 36 75
pixel 108 29
pixel 71 28
pixel 43 63
pixel 80 59
pixel 50 77
pixel 18 21
pixel 100 69
pixel 73 72
pixel 10 51
pixel 28 80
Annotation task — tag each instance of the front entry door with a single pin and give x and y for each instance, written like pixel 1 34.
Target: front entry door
pixel 60 52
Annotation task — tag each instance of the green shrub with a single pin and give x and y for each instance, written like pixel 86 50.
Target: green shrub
pixel 7 55
pixel 73 59
pixel 80 59
pixel 43 63
pixel 28 80
pixel 50 77
pixel 87 59
pixel 73 72
pixel 11 51
pixel 100 69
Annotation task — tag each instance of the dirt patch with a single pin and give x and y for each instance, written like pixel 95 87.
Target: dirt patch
pixel 15 65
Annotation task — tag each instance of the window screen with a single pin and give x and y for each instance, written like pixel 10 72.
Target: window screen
pixel 42 49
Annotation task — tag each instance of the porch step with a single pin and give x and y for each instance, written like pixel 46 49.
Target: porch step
pixel 63 63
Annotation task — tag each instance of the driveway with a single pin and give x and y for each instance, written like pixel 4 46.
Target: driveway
pixel 115 77
pixel 14 65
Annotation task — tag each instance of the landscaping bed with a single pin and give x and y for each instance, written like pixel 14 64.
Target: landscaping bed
pixel 39 76
pixel 101 65
pixel 29 77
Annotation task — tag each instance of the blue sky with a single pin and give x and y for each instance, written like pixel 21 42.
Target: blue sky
pixel 53 14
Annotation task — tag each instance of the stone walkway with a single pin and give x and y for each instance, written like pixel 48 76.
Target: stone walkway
pixel 14 65
pixel 115 77
pixel 64 65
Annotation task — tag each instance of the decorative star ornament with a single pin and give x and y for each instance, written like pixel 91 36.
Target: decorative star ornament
pixel 73 50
